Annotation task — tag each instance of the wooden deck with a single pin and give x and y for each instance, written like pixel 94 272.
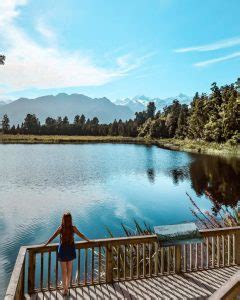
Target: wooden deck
pixel 192 285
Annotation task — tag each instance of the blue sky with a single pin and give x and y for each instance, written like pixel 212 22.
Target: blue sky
pixel 117 48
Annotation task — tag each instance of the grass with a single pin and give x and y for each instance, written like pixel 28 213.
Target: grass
pixel 174 144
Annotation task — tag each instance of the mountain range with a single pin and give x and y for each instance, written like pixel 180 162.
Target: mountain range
pixel 71 105
pixel 139 103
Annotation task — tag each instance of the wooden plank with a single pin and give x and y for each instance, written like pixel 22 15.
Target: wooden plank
pixel 131 261
pixel 150 259
pixel 17 278
pixel 79 267
pixel 185 258
pixel 177 264
pixel 99 264
pixel 144 260
pixel 223 250
pixel 109 264
pixel 229 250
pixel 41 271
pixel 31 271
pixel 190 257
pixel 207 252
pixel 86 266
pixel 56 270
pixel 118 263
pixel 134 287
pixel 162 260
pixel 202 255
pixel 92 265
pixel 122 293
pixel 124 261
pixel 156 259
pixel 234 249
pixel 138 261
pixel 168 259
pixel 213 252
pixel 196 256
pixel 218 252
pixel 49 269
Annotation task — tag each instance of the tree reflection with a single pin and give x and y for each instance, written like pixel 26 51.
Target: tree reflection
pixel 213 176
pixel 150 163
pixel 218 178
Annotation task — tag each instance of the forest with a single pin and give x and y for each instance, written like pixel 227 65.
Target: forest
pixel 214 117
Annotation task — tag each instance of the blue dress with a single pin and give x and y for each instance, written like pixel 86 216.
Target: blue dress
pixel 66 252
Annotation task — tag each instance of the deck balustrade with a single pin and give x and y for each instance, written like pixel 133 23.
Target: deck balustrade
pixel 120 259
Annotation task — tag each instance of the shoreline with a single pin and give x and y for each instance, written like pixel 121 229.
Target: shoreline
pixel 171 144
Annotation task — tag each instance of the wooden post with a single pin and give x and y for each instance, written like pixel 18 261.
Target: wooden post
pixel 109 264
pixel 237 248
pixel 178 259
pixel 31 271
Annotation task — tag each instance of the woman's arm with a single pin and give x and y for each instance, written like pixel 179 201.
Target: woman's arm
pixel 56 233
pixel 81 235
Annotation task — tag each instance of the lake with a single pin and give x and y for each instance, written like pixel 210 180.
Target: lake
pixel 103 185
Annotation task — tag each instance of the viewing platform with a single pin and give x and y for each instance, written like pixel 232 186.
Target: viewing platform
pixel 136 267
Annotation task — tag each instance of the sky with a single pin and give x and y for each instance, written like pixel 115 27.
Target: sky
pixel 117 48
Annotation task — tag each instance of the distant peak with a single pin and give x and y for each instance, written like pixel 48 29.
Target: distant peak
pixel 62 95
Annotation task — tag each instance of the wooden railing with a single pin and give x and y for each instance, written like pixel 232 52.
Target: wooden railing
pixel 125 258
pixel 16 287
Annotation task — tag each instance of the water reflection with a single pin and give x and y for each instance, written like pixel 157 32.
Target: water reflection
pixel 218 178
pixel 212 176
pixel 102 185
pixel 150 164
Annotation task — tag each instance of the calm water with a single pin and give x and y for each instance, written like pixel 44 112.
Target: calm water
pixel 102 185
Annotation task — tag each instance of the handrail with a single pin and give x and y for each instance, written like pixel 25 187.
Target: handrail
pixel 16 285
pixel 99 242
pixel 219 231
pixel 230 290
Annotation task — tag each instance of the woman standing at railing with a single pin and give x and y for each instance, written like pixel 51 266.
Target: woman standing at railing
pixel 66 248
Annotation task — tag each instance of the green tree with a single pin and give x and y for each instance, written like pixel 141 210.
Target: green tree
pixel 172 117
pixel 182 124
pixel 31 124
pixel 151 108
pixel 5 124
pixel 197 118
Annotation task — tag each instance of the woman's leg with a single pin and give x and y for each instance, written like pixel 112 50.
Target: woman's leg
pixel 69 273
pixel 64 275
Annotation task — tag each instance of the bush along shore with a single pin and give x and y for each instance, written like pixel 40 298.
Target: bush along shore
pixel 172 144
pixel 210 123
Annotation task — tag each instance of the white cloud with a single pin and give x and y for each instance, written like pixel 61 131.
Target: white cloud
pixel 216 60
pixel 44 30
pixel 213 46
pixel 32 65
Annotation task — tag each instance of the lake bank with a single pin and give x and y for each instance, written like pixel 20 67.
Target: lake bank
pixel 172 144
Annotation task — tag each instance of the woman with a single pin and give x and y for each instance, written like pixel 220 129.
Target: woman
pixel 66 248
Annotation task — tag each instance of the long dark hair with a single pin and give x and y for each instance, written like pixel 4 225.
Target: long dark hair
pixel 67 229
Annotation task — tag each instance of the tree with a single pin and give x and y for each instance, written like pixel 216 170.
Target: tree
pixel 76 120
pixel 172 117
pixel 2 59
pixel 31 124
pixel 182 123
pixel 5 124
pixel 151 108
pixel 197 118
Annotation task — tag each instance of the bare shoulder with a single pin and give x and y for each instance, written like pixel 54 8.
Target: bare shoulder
pixel 74 228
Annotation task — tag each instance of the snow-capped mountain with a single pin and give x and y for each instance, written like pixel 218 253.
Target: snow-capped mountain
pixel 139 103
pixel 4 102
